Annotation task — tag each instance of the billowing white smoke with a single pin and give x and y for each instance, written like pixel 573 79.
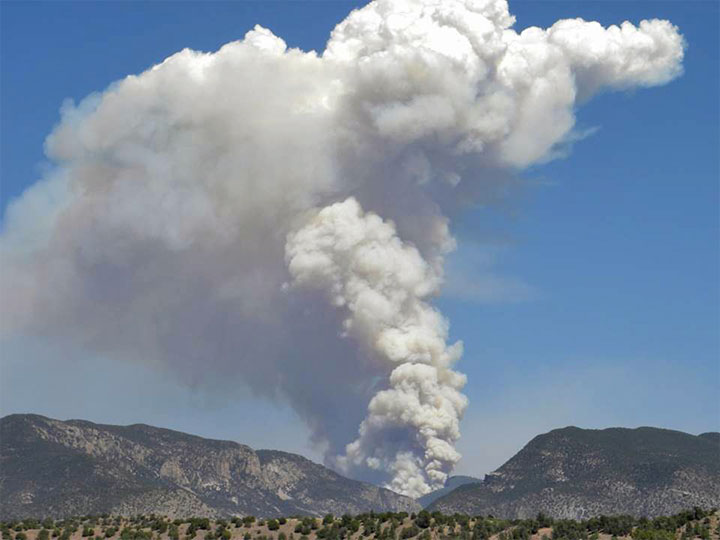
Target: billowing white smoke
pixel 185 197
pixel 381 285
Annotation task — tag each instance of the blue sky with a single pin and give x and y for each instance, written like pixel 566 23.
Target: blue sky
pixel 608 309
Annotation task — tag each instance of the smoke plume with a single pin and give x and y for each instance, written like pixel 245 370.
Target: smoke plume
pixel 279 217
pixel 381 284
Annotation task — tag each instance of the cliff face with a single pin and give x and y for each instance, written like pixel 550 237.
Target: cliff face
pixel 54 468
pixel 577 473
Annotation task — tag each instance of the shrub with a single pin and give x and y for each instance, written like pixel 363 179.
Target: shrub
pixel 200 523
pixel 653 534
pixel 423 519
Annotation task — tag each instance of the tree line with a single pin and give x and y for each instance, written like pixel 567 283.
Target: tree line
pixel 687 525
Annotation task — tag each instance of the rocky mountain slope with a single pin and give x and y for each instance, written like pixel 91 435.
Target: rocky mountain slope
pixel 54 468
pixel 577 473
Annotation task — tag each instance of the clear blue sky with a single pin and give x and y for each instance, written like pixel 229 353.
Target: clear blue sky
pixel 614 247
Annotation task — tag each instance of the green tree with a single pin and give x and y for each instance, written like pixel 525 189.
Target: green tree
pixel 423 519
pixel 409 532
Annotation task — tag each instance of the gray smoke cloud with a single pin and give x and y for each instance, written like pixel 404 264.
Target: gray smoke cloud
pixel 278 217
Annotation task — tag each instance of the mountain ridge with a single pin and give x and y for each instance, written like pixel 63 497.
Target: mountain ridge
pixel 576 473
pixel 53 467
pixel 452 483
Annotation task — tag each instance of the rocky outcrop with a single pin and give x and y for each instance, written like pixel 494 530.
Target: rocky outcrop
pixel 54 468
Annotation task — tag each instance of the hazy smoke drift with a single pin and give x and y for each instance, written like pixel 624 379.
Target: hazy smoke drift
pixel 186 197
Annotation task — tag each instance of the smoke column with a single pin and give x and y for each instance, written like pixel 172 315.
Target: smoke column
pixel 280 218
pixel 381 284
